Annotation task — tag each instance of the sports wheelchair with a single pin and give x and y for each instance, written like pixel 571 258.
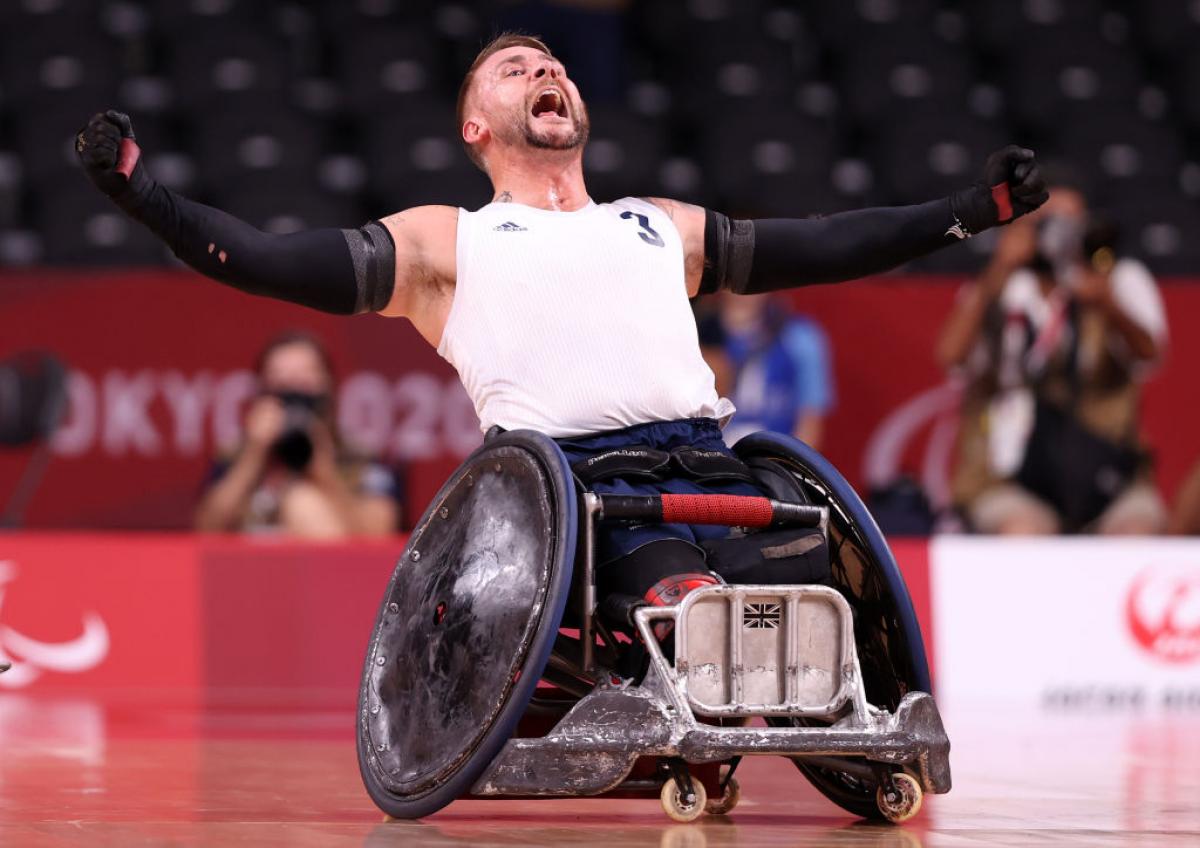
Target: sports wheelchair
pixel 490 671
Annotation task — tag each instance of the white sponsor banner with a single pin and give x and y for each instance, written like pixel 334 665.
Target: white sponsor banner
pixel 1075 625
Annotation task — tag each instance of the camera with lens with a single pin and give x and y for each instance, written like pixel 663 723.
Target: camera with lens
pixel 1100 243
pixel 1063 241
pixel 294 447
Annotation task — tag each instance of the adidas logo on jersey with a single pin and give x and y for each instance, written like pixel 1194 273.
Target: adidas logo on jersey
pixel 509 227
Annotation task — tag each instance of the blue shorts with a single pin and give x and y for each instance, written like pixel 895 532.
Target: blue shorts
pixel 618 540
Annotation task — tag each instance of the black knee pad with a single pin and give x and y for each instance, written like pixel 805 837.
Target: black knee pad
pixel 772 557
pixel 636 573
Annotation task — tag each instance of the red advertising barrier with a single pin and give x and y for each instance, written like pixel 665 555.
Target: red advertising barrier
pixel 93 610
pixel 159 376
pixel 196 616
pixel 289 619
pixel 220 619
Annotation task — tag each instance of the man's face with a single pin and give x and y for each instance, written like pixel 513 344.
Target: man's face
pixel 295 368
pixel 525 98
pixel 1064 202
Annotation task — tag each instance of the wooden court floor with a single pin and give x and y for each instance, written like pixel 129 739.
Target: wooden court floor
pixel 145 772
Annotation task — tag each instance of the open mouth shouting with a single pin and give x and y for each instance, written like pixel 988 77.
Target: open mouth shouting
pixel 550 104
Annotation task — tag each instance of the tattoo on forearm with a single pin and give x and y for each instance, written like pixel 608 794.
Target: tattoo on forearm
pixel 505 197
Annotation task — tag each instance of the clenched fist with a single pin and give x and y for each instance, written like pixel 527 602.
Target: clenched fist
pixel 1012 186
pixel 1016 184
pixel 109 152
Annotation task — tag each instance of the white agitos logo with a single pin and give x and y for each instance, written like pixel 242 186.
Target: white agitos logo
pixel 30 658
pixel 935 410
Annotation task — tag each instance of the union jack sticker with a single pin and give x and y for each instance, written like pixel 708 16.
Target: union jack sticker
pixel 761 616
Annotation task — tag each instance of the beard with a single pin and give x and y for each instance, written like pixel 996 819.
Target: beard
pixel 523 127
pixel 550 140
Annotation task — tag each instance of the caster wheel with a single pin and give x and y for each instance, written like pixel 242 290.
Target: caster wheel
pixel 728 800
pixel 902 800
pixel 676 808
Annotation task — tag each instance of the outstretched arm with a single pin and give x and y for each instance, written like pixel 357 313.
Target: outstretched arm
pixel 754 256
pixel 332 270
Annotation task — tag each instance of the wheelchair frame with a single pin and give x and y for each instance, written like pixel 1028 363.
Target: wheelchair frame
pixel 582 756
pixel 873 761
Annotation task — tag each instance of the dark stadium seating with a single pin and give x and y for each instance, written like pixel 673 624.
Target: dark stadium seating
pixel 231 143
pixel 79 226
pixel 1167 29
pixel 278 204
pixel 934 156
pixel 623 153
pixel 882 80
pixel 326 111
pixel 384 69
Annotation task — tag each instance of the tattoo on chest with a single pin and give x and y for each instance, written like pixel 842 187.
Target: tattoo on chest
pixel 504 197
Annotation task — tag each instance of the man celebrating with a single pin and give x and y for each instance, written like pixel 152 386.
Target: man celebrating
pixel 560 314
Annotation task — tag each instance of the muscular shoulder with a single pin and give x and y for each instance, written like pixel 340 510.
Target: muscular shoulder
pixel 688 218
pixel 422 225
pixel 689 221
pixel 425 267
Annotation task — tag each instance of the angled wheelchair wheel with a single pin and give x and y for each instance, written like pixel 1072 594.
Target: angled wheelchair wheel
pixel 466 625
pixel 890 647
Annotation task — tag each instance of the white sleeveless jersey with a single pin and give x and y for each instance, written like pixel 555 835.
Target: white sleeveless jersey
pixel 575 322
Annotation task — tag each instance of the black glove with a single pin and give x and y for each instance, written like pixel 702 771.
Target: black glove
pixel 1011 187
pixel 111 157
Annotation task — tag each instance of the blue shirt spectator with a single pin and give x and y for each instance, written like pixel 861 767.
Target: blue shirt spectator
pixel 783 379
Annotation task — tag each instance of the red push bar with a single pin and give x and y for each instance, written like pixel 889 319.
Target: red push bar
pixel 729 510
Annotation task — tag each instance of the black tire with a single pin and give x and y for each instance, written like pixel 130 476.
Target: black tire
pixel 411 767
pixel 891 649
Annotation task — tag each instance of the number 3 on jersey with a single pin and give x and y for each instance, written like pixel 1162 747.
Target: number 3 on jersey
pixel 651 235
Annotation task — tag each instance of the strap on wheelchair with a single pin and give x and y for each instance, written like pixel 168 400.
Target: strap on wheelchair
pixel 703 466
pixel 639 463
pixel 710 466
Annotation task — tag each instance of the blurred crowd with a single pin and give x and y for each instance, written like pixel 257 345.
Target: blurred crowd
pixel 1052 343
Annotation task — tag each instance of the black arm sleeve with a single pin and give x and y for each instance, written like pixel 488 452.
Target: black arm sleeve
pixel 338 271
pixel 749 257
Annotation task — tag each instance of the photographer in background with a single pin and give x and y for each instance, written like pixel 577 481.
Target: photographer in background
pixel 1054 340
pixel 292 475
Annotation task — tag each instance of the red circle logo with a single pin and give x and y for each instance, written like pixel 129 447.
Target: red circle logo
pixel 1162 610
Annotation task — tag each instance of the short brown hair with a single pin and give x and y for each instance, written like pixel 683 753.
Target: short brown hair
pixel 501 42
pixel 287 338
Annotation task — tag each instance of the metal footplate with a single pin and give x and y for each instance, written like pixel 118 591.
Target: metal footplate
pixel 768 651
pixel 740 651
